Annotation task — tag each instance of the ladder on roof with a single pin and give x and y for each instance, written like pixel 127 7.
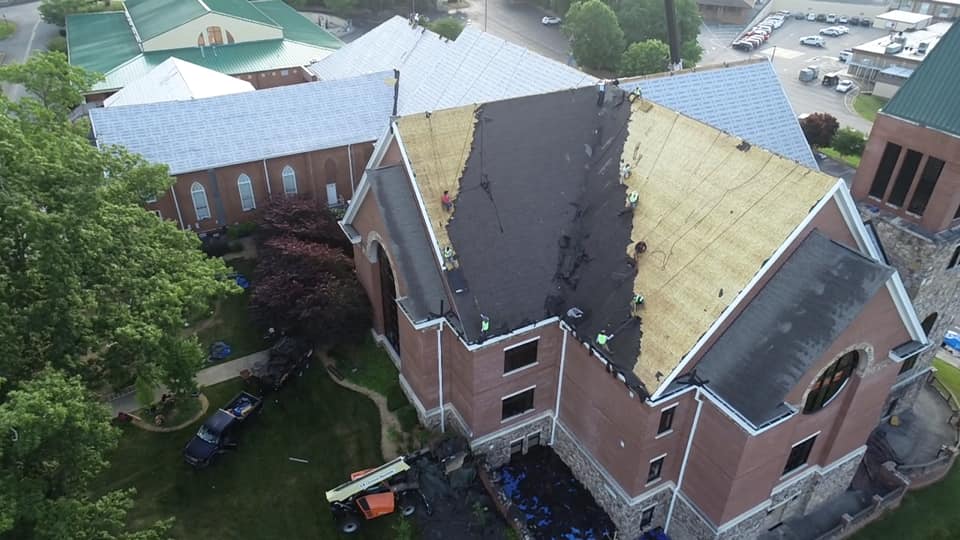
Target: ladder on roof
pixel 384 472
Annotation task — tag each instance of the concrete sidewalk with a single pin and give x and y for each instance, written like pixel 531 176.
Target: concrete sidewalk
pixel 205 377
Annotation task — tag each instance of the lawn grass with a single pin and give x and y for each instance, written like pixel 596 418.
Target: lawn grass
pixel 867 106
pixel 948 375
pixel 176 413
pixel 853 161
pixel 927 514
pixel 7 28
pixel 233 323
pixel 256 491
pixel 368 365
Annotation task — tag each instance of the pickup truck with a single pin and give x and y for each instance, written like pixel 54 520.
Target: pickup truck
pixel 288 357
pixel 218 432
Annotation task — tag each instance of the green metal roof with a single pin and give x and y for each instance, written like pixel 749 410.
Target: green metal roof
pixel 295 26
pixel 154 17
pixel 100 41
pixel 930 97
pixel 230 59
pixel 242 9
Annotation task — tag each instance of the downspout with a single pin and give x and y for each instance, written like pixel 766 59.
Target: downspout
pixel 686 456
pixel 177 206
pixel 556 407
pixel 266 176
pixel 350 164
pixel 440 373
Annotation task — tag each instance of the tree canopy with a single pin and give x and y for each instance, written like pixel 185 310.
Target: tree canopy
pixel 596 35
pixel 447 27
pixel 56 11
pixel 94 291
pixel 819 128
pixel 643 20
pixel 849 142
pixel 644 58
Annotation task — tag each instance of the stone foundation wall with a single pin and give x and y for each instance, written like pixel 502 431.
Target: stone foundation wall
pixel 688 524
pixel 497 449
pixel 833 482
pixel 906 394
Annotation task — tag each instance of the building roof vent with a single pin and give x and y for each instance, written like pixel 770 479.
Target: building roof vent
pixel 893 48
pixel 922 47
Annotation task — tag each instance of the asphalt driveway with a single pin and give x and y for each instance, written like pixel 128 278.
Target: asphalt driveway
pixel 32 34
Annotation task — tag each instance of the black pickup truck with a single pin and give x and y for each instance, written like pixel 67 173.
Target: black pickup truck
pixel 288 357
pixel 218 432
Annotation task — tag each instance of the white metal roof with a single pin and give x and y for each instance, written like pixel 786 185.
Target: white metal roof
pixel 177 80
pixel 905 17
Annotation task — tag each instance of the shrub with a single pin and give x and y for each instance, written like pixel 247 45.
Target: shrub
pixel 407 416
pixel 396 398
pixel 241 230
pixel 849 142
pixel 216 246
pixel 819 128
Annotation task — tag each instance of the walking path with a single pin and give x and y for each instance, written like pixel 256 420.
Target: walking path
pixel 205 377
pixel 388 420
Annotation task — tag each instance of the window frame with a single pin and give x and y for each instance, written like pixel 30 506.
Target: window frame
pixel 195 189
pixel 646 516
pixel 535 342
pixel 827 379
pixel 908 364
pixel 808 444
pixel 954 259
pixel 504 399
pixel 244 180
pixel 214 35
pixel 290 173
pixel 671 410
pixel 655 470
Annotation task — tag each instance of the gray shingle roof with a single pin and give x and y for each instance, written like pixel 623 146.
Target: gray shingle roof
pixel 437 74
pixel 744 100
pixel 214 132
pixel 797 315
pixel 410 246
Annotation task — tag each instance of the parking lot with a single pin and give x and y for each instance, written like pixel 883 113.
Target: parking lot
pixel 789 57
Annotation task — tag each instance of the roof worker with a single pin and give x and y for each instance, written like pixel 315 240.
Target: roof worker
pixel 601 91
pixel 633 199
pixel 484 323
pixel 624 171
pixel 636 304
pixel 636 94
pixel 639 249
pixel 445 201
pixel 602 339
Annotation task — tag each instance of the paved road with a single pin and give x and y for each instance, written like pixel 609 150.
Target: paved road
pixel 32 35
pixel 789 57
pixel 520 23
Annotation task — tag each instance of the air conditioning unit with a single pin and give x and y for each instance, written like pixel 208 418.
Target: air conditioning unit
pixel 922 47
pixel 893 48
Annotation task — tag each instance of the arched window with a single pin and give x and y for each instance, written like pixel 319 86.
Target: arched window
pixel 230 37
pixel 200 205
pixel 215 35
pixel 289 181
pixel 830 382
pixel 929 322
pixel 245 187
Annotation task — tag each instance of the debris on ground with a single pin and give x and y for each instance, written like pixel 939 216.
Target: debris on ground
pixel 544 495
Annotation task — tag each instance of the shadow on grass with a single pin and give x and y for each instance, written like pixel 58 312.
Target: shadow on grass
pixel 233 324
pixel 256 491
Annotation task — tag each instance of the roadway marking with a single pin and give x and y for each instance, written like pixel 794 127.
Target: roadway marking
pixel 33 34
pixel 781 52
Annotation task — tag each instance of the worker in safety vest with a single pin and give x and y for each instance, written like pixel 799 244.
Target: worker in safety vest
pixel 633 199
pixel 602 340
pixel 636 304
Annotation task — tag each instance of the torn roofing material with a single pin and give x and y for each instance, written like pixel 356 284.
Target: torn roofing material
pixel 745 100
pixel 437 73
pixel 540 222
pixel 821 288
pixel 410 245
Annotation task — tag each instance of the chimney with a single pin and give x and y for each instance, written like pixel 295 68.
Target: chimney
pixel 673 35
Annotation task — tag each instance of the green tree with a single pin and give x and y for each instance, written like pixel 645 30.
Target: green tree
pixel 90 282
pixel 819 128
pixel 690 52
pixel 55 437
pixel 447 27
pixel 52 80
pixel 340 7
pixel 56 11
pixel 596 35
pixel 849 142
pixel 645 19
pixel 644 58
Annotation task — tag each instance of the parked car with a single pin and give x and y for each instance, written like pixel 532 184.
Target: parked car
pixel 218 433
pixel 743 45
pixel 866 22
pixel 821 17
pixel 799 15
pixel 831 18
pixel 845 86
pixel 811 16
pixel 854 21
pixel 842 29
pixel 784 12
pixel 813 41
pixel 551 21
pixel 842 19
pixel 774 22
pixel 807 74
pixel 845 55
pixel 832 32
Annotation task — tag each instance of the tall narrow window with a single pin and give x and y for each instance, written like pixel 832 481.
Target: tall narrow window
pixel 908 364
pixel 905 177
pixel 830 382
pixel 646 517
pixel 245 187
pixel 928 181
pixel 214 35
pixel 799 455
pixel 230 37
pixel 656 469
pixel 885 170
pixel 289 180
pixel 200 41
pixel 666 420
pixel 200 205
